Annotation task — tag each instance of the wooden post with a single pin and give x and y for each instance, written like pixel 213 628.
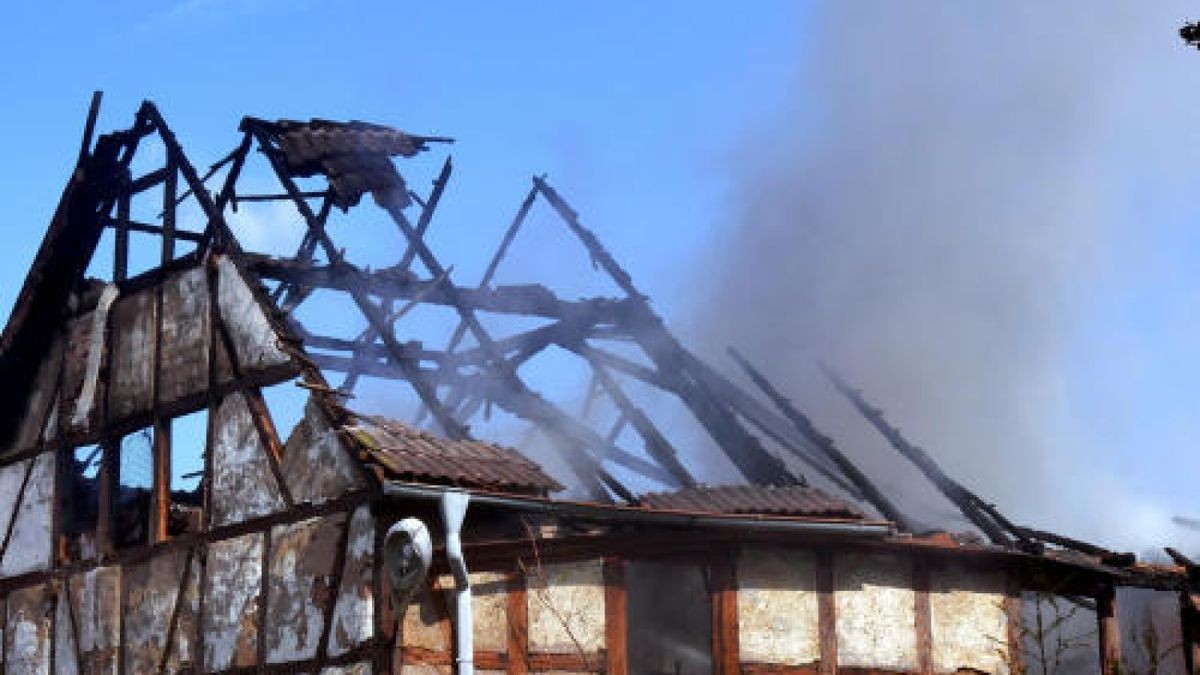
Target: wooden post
pixel 160 494
pixel 1189 616
pixel 616 622
pixel 121 241
pixel 518 625
pixel 924 617
pixel 1013 606
pixel 168 226
pixel 108 480
pixel 1110 634
pixel 826 613
pixel 723 593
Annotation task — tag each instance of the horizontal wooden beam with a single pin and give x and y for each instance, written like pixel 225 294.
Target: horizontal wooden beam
pixel 135 226
pixel 525 300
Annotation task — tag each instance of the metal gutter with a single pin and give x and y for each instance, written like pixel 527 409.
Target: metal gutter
pixel 634 515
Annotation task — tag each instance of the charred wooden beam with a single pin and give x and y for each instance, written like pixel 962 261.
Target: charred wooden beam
pixel 89 126
pixel 513 394
pixel 146 228
pixel 479 388
pixel 1106 556
pixel 169 231
pixel 656 443
pixel 212 210
pixel 768 422
pixel 427 209
pixel 277 197
pixel 958 495
pixel 424 390
pixel 510 234
pixel 147 181
pixel 289 296
pixel 237 155
pixel 120 270
pixel 527 300
pixel 805 426
pixel 646 327
pixel 490 272
pixel 620 364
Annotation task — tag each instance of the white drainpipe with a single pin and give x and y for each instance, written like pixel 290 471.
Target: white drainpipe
pixel 454 511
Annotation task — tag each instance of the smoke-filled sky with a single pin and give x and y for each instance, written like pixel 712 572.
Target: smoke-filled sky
pixel 981 213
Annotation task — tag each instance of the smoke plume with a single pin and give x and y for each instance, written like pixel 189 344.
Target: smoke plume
pixel 934 215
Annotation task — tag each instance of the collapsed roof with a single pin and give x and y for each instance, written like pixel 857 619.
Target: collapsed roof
pixel 778 452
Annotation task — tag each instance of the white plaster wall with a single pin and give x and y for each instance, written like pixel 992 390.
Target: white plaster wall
pixel 969 624
pixel 777 606
pixel 566 608
pixel 876 611
pixel 489 609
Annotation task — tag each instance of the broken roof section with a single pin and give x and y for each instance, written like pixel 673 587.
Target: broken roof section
pixel 614 454
pixel 410 454
pixel 354 156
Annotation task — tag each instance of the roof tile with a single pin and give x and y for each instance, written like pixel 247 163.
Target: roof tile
pixel 754 499
pixel 408 453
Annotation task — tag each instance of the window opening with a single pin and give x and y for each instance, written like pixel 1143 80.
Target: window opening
pixel 82 504
pixel 134 481
pixel 189 438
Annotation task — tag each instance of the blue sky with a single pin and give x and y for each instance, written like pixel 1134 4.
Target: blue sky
pixel 631 112
pixel 646 117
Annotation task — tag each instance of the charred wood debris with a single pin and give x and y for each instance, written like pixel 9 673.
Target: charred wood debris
pixel 459 381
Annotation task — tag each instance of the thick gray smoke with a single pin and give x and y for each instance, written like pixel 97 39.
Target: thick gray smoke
pixel 934 214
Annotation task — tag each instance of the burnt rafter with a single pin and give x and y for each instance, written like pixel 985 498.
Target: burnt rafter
pixel 720 407
pixel 980 512
pixel 621 341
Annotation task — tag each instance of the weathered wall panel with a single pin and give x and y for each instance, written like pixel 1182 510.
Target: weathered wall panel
pixel 876 611
pixel 230 622
pixel 183 369
pixel 30 545
pixel 40 401
pixel 354 613
pixel 27 637
pixel 96 601
pixel 566 608
pixel 300 589
pixel 244 486
pixel 489 607
pixel 182 655
pixel 315 464
pixel 83 356
pixel 11 477
pixel 255 343
pixel 969 623
pixel 777 606
pixel 66 656
pixel 152 588
pixel 131 373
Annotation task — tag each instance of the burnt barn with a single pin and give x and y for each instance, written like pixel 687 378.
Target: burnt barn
pixel 186 488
